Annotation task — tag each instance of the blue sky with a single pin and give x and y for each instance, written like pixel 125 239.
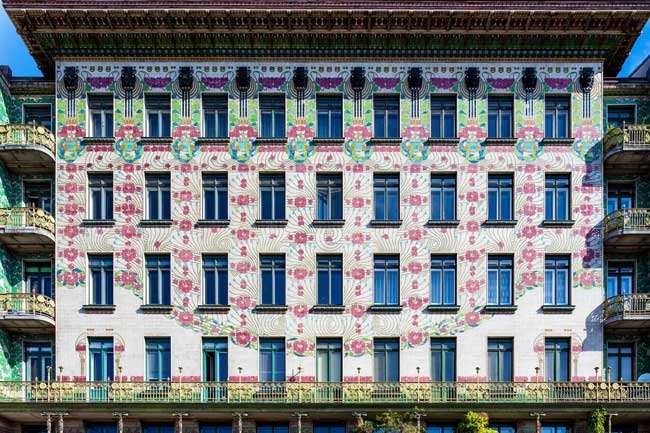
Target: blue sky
pixel 15 54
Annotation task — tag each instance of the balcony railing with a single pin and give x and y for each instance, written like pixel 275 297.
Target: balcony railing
pixel 323 393
pixel 636 219
pixel 26 303
pixel 27 217
pixel 627 136
pixel 26 134
pixel 630 305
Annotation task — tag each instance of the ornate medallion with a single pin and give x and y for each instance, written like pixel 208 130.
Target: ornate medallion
pixel 529 143
pixel 185 144
pixel 300 143
pixel 357 143
pixel 128 144
pixel 414 143
pixel 472 143
pixel 242 143
pixel 70 147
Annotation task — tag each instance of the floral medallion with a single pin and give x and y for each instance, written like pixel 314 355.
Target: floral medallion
pixel 185 144
pixel 472 143
pixel 586 145
pixel 300 143
pixel 128 144
pixel 529 143
pixel 242 143
pixel 357 143
pixel 70 147
pixel 414 143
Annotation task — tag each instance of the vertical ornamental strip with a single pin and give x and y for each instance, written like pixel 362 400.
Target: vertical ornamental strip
pixel 300 116
pixel 70 115
pixel 128 115
pixel 473 116
pixel 185 113
pixel 243 115
pixel 414 135
pixel 358 116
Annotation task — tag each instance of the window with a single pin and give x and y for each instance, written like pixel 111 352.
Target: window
pixel 620 358
pixel 386 359
pixel 273 279
pixel 557 116
pixel 215 197
pixel 619 115
pixel 443 116
pixel 101 115
pixel 39 114
pixel 158 279
pixel 330 196
pixel 101 196
pixel 101 283
pixel 100 351
pixel 215 279
pixel 558 194
pixel 329 360
pixel 556 280
pixel 330 109
pixel 330 279
pixel 556 359
pixel 272 428
pixel 386 280
pixel 215 116
pixel 441 428
pixel 329 427
pixel 386 109
pixel 499 280
pixel 443 280
pixel 273 196
pixel 386 195
pixel 215 359
pixel 158 115
pixel 158 196
pixel 272 360
pixel 38 194
pixel 272 115
pixel 443 197
pixel 503 428
pixel 158 359
pixel 620 278
pixel 500 117
pixel 101 427
pixel 500 197
pixel 619 196
pixel 443 359
pixel 38 278
pixel 38 361
pixel 158 427
pixel 215 428
pixel 555 428
pixel 500 359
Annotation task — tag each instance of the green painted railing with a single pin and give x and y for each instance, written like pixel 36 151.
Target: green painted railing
pixel 26 303
pixel 631 305
pixel 26 217
pixel 27 134
pixel 627 219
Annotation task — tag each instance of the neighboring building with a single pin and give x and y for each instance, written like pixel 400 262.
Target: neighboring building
pixel 275 215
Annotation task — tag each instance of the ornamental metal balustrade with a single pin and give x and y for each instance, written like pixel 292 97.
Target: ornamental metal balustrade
pixel 26 134
pixel 624 306
pixel 635 219
pixel 627 136
pixel 26 303
pixel 23 217
pixel 323 393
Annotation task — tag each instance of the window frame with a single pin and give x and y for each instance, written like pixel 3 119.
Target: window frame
pixel 219 189
pixel 331 183
pixel 215 115
pixel 621 263
pixel 387 267
pixel 44 202
pixel 331 292
pixel 107 358
pixel 275 189
pixel 220 297
pixel 499 178
pixel 160 354
pixel 634 108
pixel 99 181
pixel 162 199
pixel 26 275
pixel 323 97
pixel 633 357
pixel 42 359
pixel 501 98
pixel 555 190
pixel 217 350
pixel 103 113
pixel 555 268
pixel 444 267
pixel 273 268
pixel 385 98
pixel 444 110
pixel 621 190
pixel 160 115
pixel 386 188
pixel 26 107
pixel 103 268
pixel 274 351
pixel 557 352
pixel 556 99
pixel 386 351
pixel 443 188
pixel 443 361
pixel 499 351
pixel 499 268
pixel 333 345
pixel 163 292
pixel 273 97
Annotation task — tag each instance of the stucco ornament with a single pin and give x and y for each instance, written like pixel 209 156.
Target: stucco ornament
pixel 357 143
pixel 70 146
pixel 587 145
pixel 529 143
pixel 414 143
pixel 300 143
pixel 185 144
pixel 472 143
pixel 242 142
pixel 127 143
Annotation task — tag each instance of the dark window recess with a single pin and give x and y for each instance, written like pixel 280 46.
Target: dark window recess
pixel 215 116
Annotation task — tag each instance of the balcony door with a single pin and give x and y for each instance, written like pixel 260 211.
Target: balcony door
pixel 38 361
pixel 38 278
pixel 38 194
pixel 619 196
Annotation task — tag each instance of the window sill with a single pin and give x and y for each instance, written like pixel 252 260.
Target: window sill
pixel 97 223
pixel 270 309
pixel 98 308
pixel 213 141
pixel 387 141
pixel 385 223
pixel 156 140
pixel 156 223
pixel 385 309
pixel 500 309
pixel 213 308
pixel 156 308
pixel 500 223
pixel 328 141
pixel 558 223
pixel 213 223
pixel 328 309
pixel 558 141
pixel 505 141
pixel 271 223
pixel 443 308
pixel 328 223
pixel 99 141
pixel 443 141
pixel 270 141
pixel 557 309
pixel 442 223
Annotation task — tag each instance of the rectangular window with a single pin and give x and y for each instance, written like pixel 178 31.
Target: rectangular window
pixel 101 427
pixel 215 359
pixel 330 118
pixel 215 428
pixel 215 197
pixel 558 197
pixel 620 196
pixel 272 114
pixel 555 428
pixel 330 279
pixel 100 353
pixel 503 428
pixel 215 279
pixel 386 277
pixel 441 428
pixel 557 116
pixel 101 196
pixel 500 359
pixel 101 279
pixel 620 358
pixel 158 427
pixel 443 280
pixel 38 361
pixel 215 116
pixel 556 359
pixel 38 278
pixel 330 196
pixel 443 116
pixel 41 115
pixel 386 196
pixel 158 359
pixel 329 360
pixel 158 279
pixel 500 197
pixel 386 359
pixel 38 194
pixel 272 428
pixel 101 115
pixel 443 197
pixel 619 115
pixel 158 196
pixel 386 109
pixel 329 427
pixel 556 280
pixel 272 360
pixel 500 117
pixel 620 278
pixel 500 282
pixel 158 115
pixel 443 359
pixel 272 192
pixel 273 279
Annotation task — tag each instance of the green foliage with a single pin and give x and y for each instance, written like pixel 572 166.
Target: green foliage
pixel 474 422
pixel 391 422
pixel 596 421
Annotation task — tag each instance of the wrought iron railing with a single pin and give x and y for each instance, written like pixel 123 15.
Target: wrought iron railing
pixel 627 136
pixel 27 217
pixel 627 219
pixel 634 304
pixel 323 393
pixel 26 303
pixel 23 134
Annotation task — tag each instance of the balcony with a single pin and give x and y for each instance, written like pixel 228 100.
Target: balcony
pixel 627 230
pixel 627 150
pixel 27 149
pixel 27 230
pixel 627 312
pixel 26 313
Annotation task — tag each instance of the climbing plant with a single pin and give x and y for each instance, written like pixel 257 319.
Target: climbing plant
pixel 596 421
